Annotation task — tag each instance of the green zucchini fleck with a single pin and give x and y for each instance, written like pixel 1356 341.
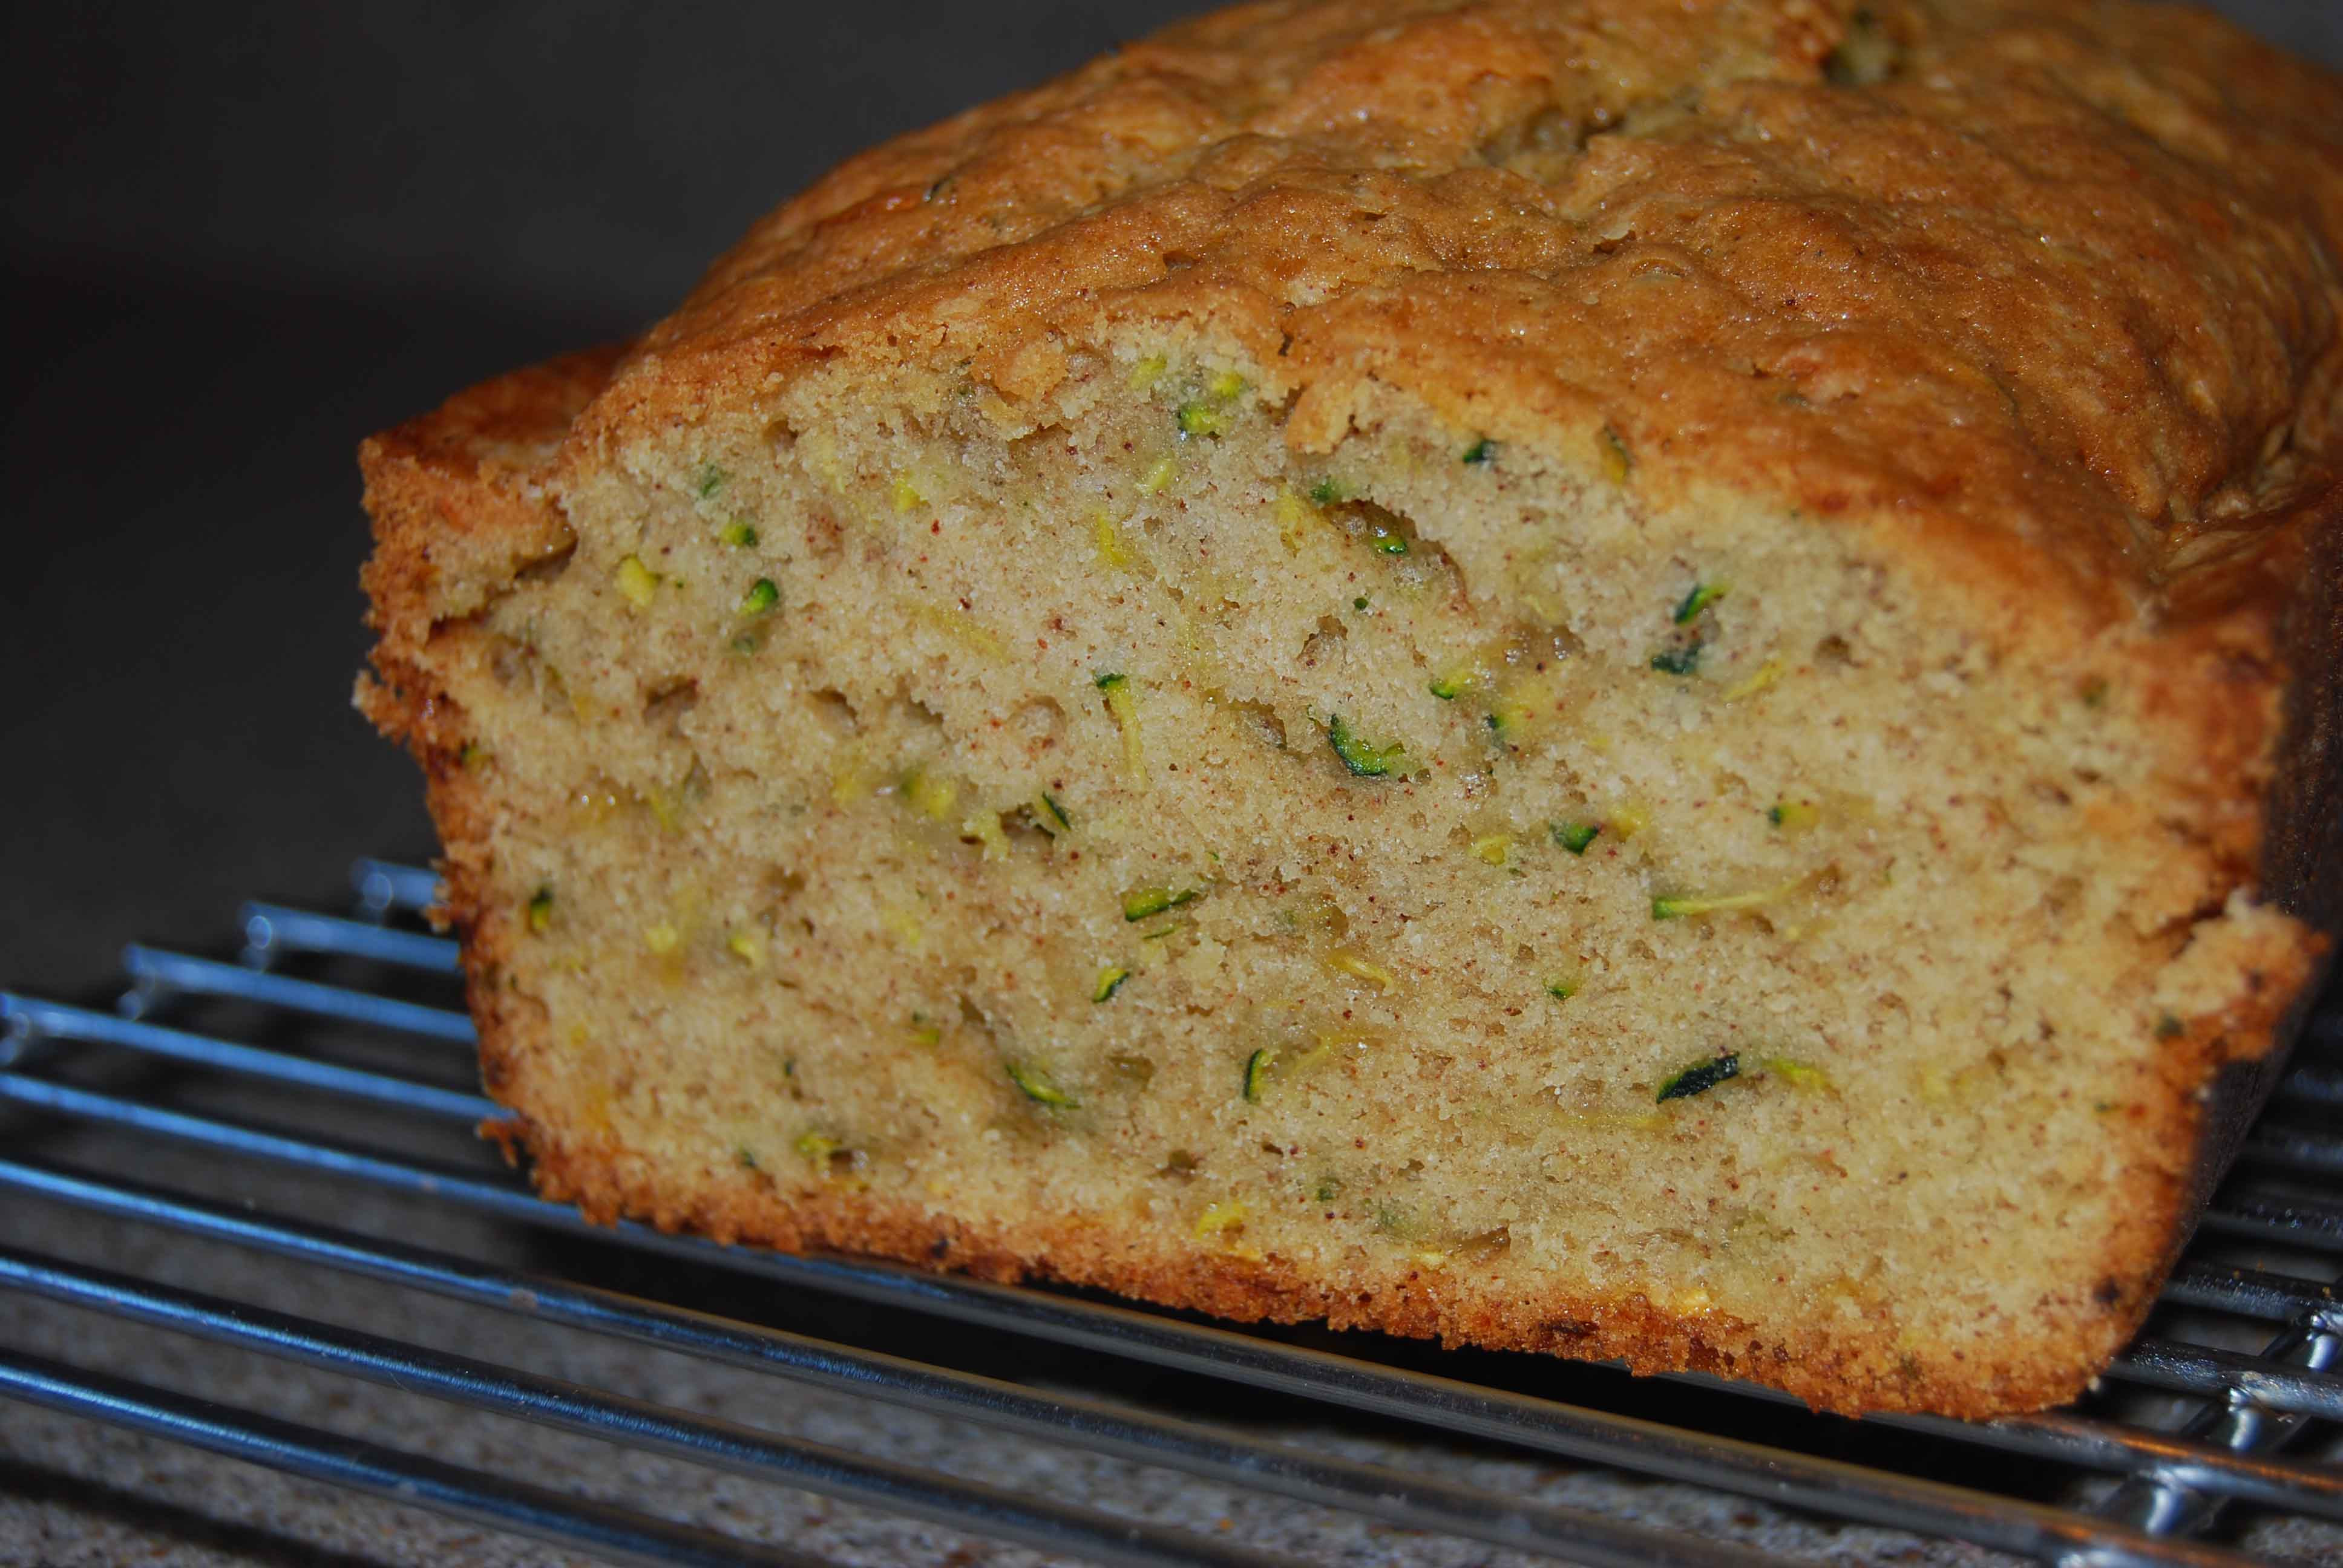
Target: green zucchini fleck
pixel 1480 451
pixel 1574 836
pixel 1036 1085
pixel 1681 660
pixel 1203 418
pixel 1562 990
pixel 711 479
pixel 1329 1189
pixel 817 1148
pixel 1618 462
pixel 1447 688
pixel 746 1156
pixel 1700 1078
pixel 1676 906
pixel 1702 596
pixel 1793 816
pixel 762 595
pixel 1364 761
pixel 739 535
pixel 1256 1072
pixel 1109 980
pixel 1797 1075
pixel 1051 816
pixel 540 910
pixel 1386 539
pixel 2169 1026
pixel 1150 901
pixel 1360 602
pixel 1111 682
pixel 1327 493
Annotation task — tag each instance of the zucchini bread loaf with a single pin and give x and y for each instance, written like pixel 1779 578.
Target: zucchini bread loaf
pixel 1654 681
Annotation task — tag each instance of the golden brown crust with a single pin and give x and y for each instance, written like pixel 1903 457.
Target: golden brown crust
pixel 2053 303
pixel 2044 307
pixel 1849 1373
pixel 456 496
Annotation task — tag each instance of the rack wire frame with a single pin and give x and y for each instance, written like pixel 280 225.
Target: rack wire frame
pixel 2169 1486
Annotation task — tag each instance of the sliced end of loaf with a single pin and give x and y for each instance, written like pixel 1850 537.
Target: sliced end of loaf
pixel 1428 882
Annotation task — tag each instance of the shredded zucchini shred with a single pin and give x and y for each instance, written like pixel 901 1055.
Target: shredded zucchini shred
pixel 1048 815
pixel 1702 596
pixel 931 794
pixel 1618 462
pixel 1363 760
pixel 540 910
pixel 1113 549
pixel 1793 816
pixel 1124 707
pixel 1573 836
pixel 1220 1217
pixel 1678 906
pixel 637 582
pixel 961 626
pixel 1758 680
pixel 1256 1072
pixel 984 828
pixel 1700 1078
pixel 1343 960
pixel 1199 417
pixel 1797 1075
pixel 1109 981
pixel 1036 1085
pixel 1293 515
pixel 1148 902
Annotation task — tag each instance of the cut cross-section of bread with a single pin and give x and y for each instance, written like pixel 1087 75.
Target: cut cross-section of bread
pixel 1582 677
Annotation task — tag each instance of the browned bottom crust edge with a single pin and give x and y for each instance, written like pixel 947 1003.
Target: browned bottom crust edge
pixel 1835 1373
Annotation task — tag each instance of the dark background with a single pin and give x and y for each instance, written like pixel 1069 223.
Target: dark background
pixel 233 245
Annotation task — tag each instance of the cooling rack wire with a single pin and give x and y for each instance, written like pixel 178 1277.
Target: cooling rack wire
pixel 2221 1415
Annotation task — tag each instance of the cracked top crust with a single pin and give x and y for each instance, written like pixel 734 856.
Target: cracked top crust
pixel 2049 290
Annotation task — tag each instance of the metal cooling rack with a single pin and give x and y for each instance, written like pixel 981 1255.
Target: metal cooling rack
pixel 2186 1434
